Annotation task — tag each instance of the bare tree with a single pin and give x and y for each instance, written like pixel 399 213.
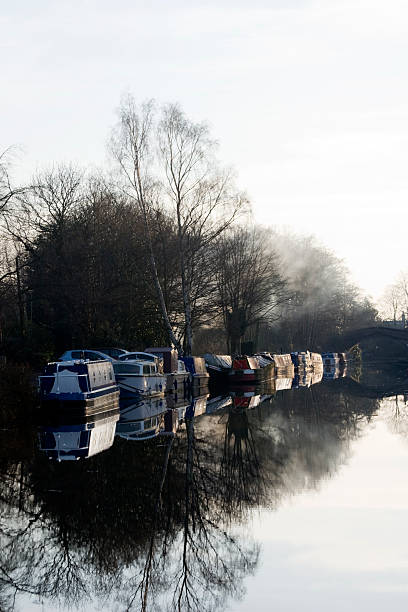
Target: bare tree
pixel 7 191
pixel 202 196
pixel 391 302
pixel 131 146
pixel 250 287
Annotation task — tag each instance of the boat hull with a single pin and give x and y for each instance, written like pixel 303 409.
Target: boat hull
pixel 250 375
pixel 178 382
pixel 84 406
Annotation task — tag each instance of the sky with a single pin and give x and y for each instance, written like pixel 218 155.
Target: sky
pixel 307 98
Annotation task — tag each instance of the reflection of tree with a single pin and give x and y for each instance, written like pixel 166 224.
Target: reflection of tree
pixel 213 561
pixel 156 524
pixel 113 526
pixel 286 444
pixel 82 524
pixel 240 474
pixel 395 413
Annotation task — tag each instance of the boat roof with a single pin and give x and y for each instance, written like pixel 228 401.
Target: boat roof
pixel 126 355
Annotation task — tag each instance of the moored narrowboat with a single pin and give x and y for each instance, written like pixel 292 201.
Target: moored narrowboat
pixel 78 384
pixel 199 376
pixel 137 376
pixel 218 367
pixel 177 376
pixel 248 370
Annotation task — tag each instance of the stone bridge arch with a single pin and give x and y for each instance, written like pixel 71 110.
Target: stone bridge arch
pixel 379 343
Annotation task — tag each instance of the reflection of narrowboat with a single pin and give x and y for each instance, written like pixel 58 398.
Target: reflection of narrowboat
pixel 342 362
pixel 197 406
pixel 75 441
pixel 302 379
pixel 78 384
pixel 282 383
pixel 331 372
pixel 317 361
pixel 142 419
pixel 330 360
pixel 284 365
pixel 175 417
pixel 317 376
pixel 248 370
pixel 214 404
pixel 246 400
pixel 301 360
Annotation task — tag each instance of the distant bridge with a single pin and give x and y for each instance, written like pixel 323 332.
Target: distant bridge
pixel 356 336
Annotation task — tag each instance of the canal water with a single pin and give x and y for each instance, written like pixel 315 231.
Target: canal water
pixel 296 500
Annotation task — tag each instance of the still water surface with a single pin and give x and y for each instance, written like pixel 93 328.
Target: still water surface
pixel 297 503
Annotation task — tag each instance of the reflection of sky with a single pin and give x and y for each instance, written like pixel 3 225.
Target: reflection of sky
pixel 339 547
pixel 344 546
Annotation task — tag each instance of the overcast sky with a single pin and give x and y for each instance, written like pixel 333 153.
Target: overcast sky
pixel 308 100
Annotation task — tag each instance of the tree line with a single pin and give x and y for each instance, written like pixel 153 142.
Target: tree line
pixel 160 248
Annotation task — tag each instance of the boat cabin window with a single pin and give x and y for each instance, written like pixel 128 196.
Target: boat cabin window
pixel 77 354
pixel 93 356
pixel 146 369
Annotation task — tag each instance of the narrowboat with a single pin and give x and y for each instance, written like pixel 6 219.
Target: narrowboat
pixel 137 376
pixel 218 367
pixel 79 384
pixel 177 376
pixel 248 370
pixel 198 373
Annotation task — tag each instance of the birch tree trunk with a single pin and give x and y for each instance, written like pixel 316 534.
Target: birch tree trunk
pixel 130 145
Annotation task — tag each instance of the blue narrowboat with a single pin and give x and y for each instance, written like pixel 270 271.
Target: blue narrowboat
pixel 78 384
